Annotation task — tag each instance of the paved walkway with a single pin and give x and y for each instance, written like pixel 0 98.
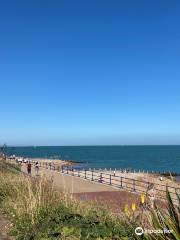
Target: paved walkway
pixel 71 184
pixel 112 198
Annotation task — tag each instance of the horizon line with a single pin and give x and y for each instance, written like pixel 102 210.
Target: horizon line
pixel 90 145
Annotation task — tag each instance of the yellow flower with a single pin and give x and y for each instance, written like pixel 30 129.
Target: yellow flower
pixel 142 198
pixel 133 206
pixel 126 209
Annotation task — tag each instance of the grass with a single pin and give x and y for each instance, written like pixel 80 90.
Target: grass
pixel 38 212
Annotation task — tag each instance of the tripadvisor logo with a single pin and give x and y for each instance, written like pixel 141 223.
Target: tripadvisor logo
pixel 139 231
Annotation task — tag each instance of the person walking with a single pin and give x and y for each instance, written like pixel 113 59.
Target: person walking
pixel 37 168
pixel 29 168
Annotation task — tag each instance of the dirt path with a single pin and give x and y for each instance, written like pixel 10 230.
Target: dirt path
pixel 114 201
pixel 4 224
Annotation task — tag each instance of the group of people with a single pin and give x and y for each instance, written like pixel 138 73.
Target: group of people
pixel 29 167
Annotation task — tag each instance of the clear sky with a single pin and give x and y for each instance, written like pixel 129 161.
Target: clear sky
pixel 89 72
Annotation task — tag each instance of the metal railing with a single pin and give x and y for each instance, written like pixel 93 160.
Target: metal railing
pixel 114 180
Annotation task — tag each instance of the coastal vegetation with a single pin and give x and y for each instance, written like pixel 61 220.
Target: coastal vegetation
pixel 38 211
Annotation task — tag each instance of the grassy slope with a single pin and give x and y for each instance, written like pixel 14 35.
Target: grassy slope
pixel 38 211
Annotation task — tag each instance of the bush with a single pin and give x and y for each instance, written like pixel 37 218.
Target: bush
pixel 64 223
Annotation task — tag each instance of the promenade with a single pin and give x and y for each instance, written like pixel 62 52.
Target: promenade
pixel 69 183
pixel 108 196
pixel 87 181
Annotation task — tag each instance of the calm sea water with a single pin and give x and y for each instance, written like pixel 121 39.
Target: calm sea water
pixel 157 158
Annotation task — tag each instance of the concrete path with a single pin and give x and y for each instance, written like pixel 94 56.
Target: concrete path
pixel 4 225
pixel 71 184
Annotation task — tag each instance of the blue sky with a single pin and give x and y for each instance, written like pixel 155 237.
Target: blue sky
pixel 89 72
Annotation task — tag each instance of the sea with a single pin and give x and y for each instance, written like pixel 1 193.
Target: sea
pixel 148 158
